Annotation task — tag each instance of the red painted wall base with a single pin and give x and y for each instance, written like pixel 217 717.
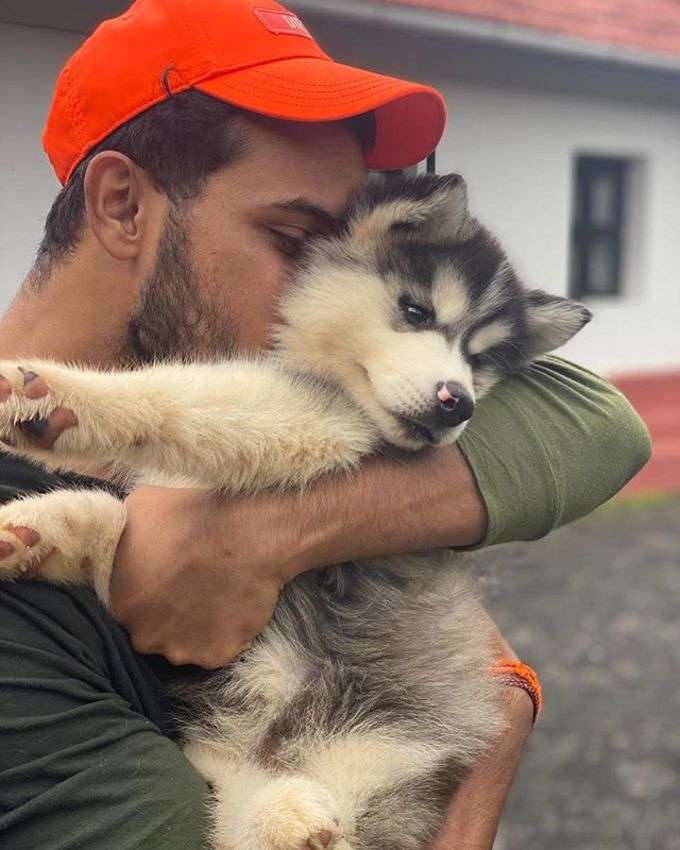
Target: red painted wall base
pixel 656 397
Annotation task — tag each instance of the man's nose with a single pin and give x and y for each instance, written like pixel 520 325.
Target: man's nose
pixel 452 405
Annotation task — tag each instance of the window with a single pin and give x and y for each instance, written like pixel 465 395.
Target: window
pixel 600 190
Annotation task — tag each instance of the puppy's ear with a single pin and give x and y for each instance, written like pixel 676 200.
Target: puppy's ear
pixel 448 216
pixel 426 208
pixel 552 321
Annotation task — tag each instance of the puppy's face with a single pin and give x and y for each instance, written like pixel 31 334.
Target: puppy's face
pixel 414 310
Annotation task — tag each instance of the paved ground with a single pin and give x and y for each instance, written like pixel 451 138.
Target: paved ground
pixel 596 609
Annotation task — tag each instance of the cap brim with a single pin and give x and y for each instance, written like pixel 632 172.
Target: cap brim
pixel 410 117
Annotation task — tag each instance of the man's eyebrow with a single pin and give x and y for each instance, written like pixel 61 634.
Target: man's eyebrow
pixel 324 219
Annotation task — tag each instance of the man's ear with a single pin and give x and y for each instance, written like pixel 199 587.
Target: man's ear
pixel 115 189
pixel 552 321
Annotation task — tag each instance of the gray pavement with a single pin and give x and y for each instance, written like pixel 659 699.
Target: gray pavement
pixel 596 609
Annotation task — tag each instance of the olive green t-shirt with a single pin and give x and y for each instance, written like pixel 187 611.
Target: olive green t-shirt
pixel 88 759
pixel 88 756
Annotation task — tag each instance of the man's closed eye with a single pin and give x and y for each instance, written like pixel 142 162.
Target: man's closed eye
pixel 289 239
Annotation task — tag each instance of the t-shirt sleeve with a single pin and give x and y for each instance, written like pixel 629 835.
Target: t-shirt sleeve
pixel 549 446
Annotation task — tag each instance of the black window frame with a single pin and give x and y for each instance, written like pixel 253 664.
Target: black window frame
pixel 585 233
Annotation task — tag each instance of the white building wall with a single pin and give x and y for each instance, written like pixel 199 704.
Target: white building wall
pixel 513 144
pixel 516 153
pixel 30 59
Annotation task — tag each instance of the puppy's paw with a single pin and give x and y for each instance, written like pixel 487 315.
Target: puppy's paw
pixel 23 552
pixel 30 414
pixel 50 536
pixel 292 813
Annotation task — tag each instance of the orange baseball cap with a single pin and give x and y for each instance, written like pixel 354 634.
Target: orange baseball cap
pixel 253 54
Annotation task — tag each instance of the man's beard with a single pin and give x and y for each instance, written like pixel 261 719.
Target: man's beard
pixel 171 320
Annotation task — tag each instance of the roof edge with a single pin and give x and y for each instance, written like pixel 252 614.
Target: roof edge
pixel 500 32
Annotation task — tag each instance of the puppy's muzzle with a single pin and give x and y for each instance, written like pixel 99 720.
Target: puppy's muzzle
pixel 451 406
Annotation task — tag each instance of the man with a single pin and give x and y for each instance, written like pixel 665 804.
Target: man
pixel 200 144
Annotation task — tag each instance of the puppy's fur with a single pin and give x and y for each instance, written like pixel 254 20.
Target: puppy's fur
pixel 354 715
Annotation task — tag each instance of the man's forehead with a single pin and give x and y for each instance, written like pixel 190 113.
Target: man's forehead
pixel 302 134
pixel 314 160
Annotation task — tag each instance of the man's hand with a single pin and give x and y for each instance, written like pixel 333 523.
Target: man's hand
pixel 196 580
pixel 474 813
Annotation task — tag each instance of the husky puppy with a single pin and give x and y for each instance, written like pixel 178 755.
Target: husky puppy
pixel 353 716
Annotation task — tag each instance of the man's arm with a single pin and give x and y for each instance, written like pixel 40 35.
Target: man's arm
pixel 201 590
pixel 549 446
pixel 475 809
pixel 543 448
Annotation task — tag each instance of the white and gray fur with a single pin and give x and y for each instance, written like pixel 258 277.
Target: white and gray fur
pixel 354 715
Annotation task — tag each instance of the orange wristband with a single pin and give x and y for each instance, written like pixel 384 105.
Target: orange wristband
pixel 520 675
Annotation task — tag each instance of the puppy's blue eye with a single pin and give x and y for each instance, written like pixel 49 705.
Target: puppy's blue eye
pixel 415 314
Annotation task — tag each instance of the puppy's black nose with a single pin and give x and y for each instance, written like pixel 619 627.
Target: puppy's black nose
pixel 453 404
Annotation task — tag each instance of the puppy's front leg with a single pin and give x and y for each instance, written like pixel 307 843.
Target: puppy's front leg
pixel 237 425
pixel 64 537
pixel 66 416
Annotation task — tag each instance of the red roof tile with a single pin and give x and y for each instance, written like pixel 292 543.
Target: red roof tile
pixel 651 26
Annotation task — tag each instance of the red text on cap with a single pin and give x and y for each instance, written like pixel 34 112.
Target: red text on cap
pixel 282 23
